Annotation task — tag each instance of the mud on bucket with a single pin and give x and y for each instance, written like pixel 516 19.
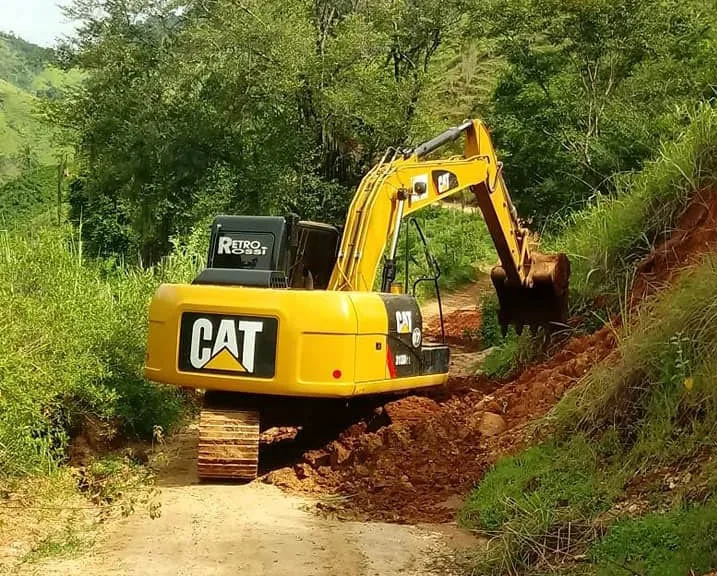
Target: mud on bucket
pixel 542 301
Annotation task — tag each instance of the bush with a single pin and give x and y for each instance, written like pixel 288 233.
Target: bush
pixel 73 346
pixel 28 195
pixel 490 333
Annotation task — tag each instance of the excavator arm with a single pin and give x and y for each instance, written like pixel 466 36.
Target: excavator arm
pixel 531 287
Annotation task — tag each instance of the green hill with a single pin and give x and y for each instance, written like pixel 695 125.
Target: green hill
pixel 21 61
pixel 25 139
pixel 27 77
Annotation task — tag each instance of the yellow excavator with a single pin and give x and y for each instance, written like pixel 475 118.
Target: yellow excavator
pixel 286 315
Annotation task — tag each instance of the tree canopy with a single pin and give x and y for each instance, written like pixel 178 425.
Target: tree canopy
pixel 591 87
pixel 264 106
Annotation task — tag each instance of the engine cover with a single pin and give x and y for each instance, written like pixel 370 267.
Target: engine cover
pixel 311 343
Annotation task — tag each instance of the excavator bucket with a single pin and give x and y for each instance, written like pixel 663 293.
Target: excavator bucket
pixel 541 302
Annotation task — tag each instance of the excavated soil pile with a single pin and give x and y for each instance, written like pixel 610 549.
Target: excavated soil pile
pixel 462 327
pixel 694 236
pixel 436 448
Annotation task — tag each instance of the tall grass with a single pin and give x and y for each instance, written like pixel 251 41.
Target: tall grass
pixel 72 347
pixel 604 240
pixel 658 392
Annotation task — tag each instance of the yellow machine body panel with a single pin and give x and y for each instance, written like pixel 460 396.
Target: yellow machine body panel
pixel 289 342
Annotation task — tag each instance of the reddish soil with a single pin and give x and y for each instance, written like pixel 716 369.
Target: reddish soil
pixel 436 448
pixel 694 236
pixel 462 327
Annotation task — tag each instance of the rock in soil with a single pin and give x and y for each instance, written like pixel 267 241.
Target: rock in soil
pixel 491 424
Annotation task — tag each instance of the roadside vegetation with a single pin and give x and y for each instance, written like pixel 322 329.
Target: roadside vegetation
pixel 624 479
pixel 66 369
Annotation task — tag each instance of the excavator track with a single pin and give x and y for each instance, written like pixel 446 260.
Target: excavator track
pixel 228 443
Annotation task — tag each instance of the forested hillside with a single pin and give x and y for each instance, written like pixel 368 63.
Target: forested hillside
pixel 269 106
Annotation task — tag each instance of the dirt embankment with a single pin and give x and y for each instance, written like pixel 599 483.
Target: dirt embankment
pixel 461 327
pixel 694 236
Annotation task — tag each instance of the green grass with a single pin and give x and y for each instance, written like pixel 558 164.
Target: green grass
pixel 548 477
pixel 25 139
pixel 679 543
pixel 506 358
pixel 65 545
pixel 510 352
pixel 653 405
pixel 658 393
pixel 539 501
pixel 27 80
pixel 73 347
pixel 52 81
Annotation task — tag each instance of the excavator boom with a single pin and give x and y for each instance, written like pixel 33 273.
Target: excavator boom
pixel 532 288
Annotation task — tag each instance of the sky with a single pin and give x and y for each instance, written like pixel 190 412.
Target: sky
pixel 37 21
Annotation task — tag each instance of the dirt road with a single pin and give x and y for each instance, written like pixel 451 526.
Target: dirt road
pixel 253 529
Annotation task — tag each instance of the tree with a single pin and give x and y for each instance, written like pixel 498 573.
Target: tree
pixel 253 107
pixel 590 88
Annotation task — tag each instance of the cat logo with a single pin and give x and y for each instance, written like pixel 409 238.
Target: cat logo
pixel 444 181
pixel 404 321
pixel 219 350
pixel 230 345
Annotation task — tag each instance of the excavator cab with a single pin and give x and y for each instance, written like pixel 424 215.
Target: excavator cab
pixel 270 252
